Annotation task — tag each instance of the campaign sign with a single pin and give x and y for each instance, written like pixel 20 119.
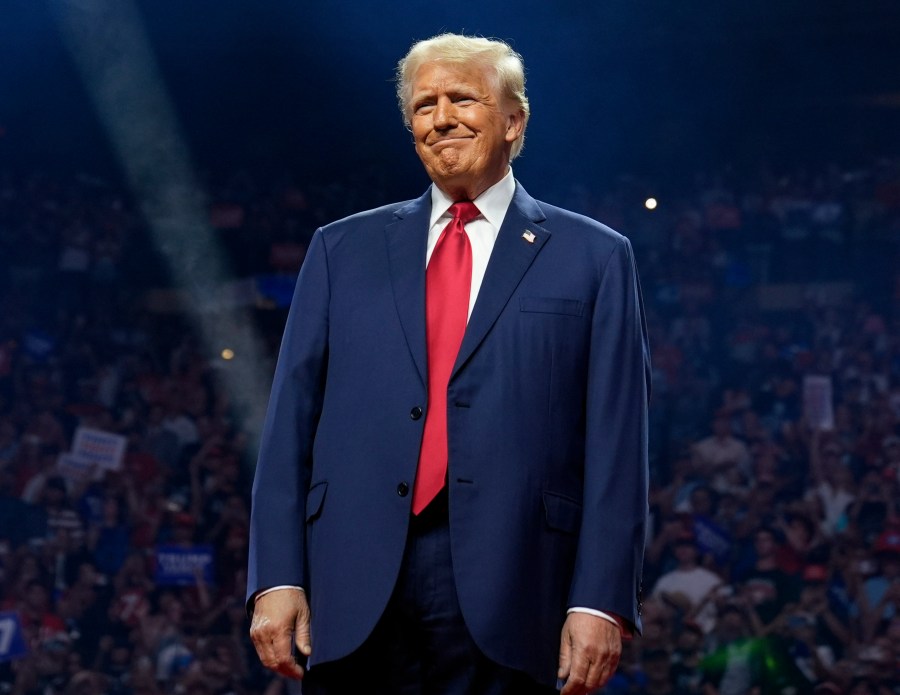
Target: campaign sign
pixel 75 468
pixel 104 449
pixel 178 565
pixel 12 641
pixel 712 539
pixel 818 405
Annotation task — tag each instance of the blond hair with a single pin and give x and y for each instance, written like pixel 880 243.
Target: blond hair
pixel 496 55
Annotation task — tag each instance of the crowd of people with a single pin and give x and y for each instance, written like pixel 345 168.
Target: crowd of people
pixel 773 565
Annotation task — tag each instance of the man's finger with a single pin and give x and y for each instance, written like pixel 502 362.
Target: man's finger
pixel 565 655
pixel 578 672
pixel 285 663
pixel 601 670
pixel 301 633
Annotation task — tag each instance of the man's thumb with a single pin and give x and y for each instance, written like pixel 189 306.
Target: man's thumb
pixel 301 633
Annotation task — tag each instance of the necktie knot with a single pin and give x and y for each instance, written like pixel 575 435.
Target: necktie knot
pixel 464 211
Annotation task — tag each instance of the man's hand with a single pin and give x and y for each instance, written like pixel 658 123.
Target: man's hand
pixel 276 617
pixel 589 652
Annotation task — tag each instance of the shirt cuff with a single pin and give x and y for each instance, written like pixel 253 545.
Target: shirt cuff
pixel 275 588
pixel 615 620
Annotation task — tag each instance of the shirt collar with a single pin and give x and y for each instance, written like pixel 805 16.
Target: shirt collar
pixel 492 204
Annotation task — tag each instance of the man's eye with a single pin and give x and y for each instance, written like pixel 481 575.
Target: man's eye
pixel 424 108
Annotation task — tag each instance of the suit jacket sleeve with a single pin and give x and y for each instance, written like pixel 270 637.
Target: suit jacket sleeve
pixel 611 543
pixel 277 524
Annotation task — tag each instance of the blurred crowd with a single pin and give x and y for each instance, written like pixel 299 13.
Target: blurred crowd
pixel 773 562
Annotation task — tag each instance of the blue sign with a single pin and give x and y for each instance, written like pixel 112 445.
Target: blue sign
pixel 277 288
pixel 179 565
pixel 712 539
pixel 12 640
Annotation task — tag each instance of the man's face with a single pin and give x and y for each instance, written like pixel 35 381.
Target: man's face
pixel 463 128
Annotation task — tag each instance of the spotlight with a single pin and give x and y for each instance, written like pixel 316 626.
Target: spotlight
pixel 227 354
pixel 650 203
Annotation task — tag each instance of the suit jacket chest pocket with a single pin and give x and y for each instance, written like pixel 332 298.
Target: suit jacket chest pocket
pixel 552 305
pixel 556 324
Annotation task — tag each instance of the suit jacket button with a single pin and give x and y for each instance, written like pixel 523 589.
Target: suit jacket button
pixel 416 413
pixel 403 489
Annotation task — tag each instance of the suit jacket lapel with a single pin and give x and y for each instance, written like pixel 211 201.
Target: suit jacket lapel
pixel 407 239
pixel 512 255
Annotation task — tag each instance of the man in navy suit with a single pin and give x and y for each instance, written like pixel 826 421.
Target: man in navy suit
pixel 464 524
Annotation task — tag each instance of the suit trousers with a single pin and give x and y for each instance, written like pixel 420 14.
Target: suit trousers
pixel 421 645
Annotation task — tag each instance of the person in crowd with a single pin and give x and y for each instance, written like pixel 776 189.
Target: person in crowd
pixel 721 452
pixel 689 585
pixel 766 587
pixel 735 664
pixel 879 598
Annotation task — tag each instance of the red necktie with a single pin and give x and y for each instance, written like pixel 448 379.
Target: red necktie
pixel 448 282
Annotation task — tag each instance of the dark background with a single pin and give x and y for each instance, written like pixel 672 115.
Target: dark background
pixel 661 88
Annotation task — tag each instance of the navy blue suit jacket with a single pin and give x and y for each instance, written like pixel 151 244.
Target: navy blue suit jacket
pixel 547 428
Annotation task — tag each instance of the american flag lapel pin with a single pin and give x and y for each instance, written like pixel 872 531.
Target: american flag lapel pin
pixel 528 236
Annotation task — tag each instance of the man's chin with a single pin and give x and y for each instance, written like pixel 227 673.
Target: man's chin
pixel 448 166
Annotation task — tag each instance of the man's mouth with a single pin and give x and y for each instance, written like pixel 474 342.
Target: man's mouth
pixel 450 140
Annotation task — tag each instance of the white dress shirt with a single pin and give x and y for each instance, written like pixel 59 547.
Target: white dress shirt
pixel 482 233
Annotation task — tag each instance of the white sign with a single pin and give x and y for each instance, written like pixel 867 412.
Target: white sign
pixel 818 407
pixel 104 449
pixel 75 468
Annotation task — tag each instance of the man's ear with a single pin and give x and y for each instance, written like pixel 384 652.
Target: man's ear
pixel 515 125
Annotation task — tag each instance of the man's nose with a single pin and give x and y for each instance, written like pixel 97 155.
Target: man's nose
pixel 444 114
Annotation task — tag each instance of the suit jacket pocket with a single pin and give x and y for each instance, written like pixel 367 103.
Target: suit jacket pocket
pixel 552 305
pixel 563 513
pixel 315 499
